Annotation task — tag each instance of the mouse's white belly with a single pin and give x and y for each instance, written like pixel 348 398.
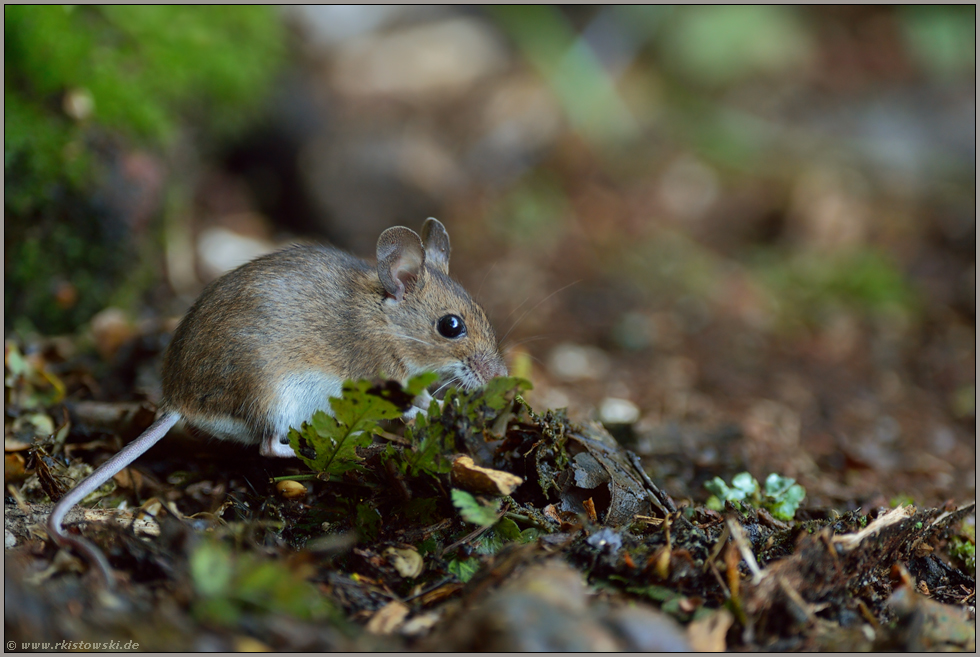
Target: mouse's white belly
pixel 295 398
pixel 298 396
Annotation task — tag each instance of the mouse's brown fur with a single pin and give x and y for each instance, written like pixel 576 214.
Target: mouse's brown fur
pixel 310 317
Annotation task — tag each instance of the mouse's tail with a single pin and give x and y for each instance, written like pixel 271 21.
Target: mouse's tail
pixel 102 474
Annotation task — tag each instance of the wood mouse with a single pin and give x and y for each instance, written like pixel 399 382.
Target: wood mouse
pixel 267 344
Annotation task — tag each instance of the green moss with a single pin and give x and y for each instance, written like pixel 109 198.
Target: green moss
pixel 81 81
pixel 144 67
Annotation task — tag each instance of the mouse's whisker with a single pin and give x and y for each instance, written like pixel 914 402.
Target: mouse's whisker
pixel 408 337
pixel 513 345
pixel 485 276
pixel 518 307
pixel 455 379
pixel 534 307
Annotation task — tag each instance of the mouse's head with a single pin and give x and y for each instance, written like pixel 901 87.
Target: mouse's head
pixel 435 324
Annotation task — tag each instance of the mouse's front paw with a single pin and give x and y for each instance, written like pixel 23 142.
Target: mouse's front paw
pixel 420 405
pixel 273 447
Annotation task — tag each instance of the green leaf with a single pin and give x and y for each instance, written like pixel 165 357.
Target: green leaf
pixel 420 382
pixel 745 485
pixel 655 592
pixel 783 496
pixel 489 543
pixel 357 407
pixel 431 444
pixel 328 444
pixel 713 502
pixel 474 512
pixel 504 532
pixel 780 495
pixel 508 530
pixel 230 584
pixel 499 392
pixel 211 569
pixel 464 569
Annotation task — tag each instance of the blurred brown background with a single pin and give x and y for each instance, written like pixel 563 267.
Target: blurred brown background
pixel 743 237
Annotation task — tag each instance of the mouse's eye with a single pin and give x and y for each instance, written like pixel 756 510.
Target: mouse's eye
pixel 451 326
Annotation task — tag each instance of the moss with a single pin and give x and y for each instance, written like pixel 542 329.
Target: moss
pixel 84 81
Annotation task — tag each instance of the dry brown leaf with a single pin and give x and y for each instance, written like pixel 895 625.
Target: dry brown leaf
pixel 708 633
pixel 13 468
pixel 389 618
pixel 471 477
pixel 14 445
pixel 406 561
pixel 590 510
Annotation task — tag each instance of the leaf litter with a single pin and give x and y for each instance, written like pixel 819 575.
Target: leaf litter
pixel 480 513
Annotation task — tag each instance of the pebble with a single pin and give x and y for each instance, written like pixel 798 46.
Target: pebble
pixel 572 362
pixel 613 410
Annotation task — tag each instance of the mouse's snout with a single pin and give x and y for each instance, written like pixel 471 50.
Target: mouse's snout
pixel 487 366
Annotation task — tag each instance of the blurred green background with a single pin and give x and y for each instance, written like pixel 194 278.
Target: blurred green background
pixel 714 205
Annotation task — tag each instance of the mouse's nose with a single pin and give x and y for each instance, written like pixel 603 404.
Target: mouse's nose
pixel 498 368
pixel 488 366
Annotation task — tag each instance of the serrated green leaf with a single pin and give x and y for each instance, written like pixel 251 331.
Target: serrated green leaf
pixel 472 511
pixel 464 569
pixel 329 443
pixel 356 406
pixel 489 543
pixel 499 392
pixel 420 382
pixel 325 445
pixel 430 448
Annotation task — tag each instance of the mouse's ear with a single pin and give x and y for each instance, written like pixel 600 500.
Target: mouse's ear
pixel 436 241
pixel 401 261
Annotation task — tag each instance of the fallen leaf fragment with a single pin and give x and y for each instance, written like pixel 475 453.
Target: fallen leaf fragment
pixel 13 468
pixel 590 510
pixel 388 619
pixel 421 624
pixel 406 561
pixel 708 634
pixel 471 477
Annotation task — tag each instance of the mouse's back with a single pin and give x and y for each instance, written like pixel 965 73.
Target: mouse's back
pixel 253 326
pixel 269 343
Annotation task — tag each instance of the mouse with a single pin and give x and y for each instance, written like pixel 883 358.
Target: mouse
pixel 269 343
